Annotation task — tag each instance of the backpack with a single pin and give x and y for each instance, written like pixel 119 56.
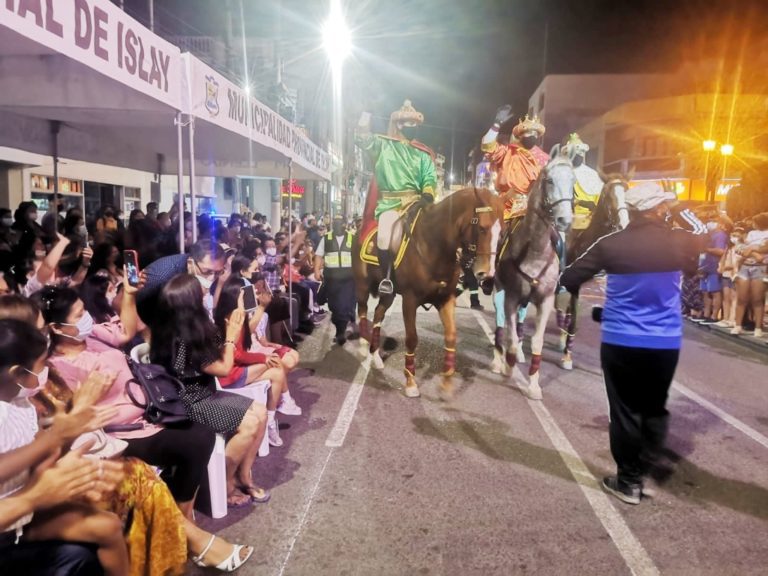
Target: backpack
pixel 162 394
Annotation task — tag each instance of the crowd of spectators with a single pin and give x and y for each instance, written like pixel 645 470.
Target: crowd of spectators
pixel 728 288
pixel 87 484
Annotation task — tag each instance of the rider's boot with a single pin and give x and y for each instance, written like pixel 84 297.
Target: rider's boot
pixel 386 288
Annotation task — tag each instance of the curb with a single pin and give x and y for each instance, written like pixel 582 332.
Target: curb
pixel 759 345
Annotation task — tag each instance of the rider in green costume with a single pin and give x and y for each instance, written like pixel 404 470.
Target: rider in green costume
pixel 404 172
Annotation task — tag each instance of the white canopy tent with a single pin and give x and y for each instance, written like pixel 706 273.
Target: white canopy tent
pixel 83 80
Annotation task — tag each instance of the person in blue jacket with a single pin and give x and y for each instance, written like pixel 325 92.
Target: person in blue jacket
pixel 641 324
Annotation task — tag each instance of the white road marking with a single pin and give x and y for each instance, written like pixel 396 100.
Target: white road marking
pixel 347 412
pixel 304 516
pixel 722 414
pixel 637 559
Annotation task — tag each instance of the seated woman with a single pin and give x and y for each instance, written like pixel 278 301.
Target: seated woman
pixel 76 351
pixel 289 357
pixel 158 535
pixel 250 367
pixel 186 342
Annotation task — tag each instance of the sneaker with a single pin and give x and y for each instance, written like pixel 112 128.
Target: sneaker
pixel 708 321
pixel 273 435
pixel 289 407
pixel 698 320
pixel 736 330
pixel 724 324
pixel 758 333
pixel 624 492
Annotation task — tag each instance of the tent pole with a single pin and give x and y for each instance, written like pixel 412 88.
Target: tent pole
pixel 180 181
pixel 192 197
pixel 55 127
pixel 290 240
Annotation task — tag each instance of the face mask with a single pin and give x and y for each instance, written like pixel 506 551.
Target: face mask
pixel 84 327
pixel 39 254
pixel 260 260
pixel 206 283
pixel 711 226
pixel 528 142
pixel 735 239
pixel 42 380
pixel 409 132
pixel 8 222
pixel 271 251
pixel 577 161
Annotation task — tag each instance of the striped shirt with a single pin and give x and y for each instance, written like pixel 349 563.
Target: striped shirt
pixel 18 427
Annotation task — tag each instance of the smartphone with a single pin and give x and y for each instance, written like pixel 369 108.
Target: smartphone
pixel 131 260
pixel 249 298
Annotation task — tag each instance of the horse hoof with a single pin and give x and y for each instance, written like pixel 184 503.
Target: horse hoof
pixel 497 366
pixel 364 348
pixel 520 355
pixel 532 392
pixel 412 391
pixel 566 364
pixel 377 361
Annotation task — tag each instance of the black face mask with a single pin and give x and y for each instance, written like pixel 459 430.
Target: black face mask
pixel 528 142
pixel 409 131
pixel 577 160
pixel 338 229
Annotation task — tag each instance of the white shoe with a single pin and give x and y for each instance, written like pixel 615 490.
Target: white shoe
pixel 230 564
pixel 724 324
pixel 273 435
pixel 736 330
pixel 289 407
pixel 758 333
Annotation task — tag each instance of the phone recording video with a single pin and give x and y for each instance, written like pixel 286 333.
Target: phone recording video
pixel 131 260
pixel 249 298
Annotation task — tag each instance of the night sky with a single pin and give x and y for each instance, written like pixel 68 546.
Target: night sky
pixel 458 60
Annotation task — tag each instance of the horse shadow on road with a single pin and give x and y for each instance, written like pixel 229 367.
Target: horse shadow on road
pixel 686 480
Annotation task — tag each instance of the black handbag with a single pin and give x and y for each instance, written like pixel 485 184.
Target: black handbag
pixel 162 394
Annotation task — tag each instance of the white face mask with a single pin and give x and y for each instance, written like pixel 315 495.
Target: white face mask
pixel 271 251
pixel 206 283
pixel 42 380
pixel 84 327
pixel 39 254
pixel 8 222
pixel 260 260
pixel 735 239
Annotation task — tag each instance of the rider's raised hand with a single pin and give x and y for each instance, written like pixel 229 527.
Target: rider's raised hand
pixel 503 114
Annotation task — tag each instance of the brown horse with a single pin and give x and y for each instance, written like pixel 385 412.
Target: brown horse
pixel 428 274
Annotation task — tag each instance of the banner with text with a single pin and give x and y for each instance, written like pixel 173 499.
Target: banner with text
pixel 213 98
pixel 103 37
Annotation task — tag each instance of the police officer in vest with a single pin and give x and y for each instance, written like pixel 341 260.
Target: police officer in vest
pixel 333 266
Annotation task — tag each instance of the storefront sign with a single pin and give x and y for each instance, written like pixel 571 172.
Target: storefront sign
pixel 100 35
pixel 295 189
pixel 217 100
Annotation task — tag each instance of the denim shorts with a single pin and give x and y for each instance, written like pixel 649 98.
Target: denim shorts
pixel 752 271
pixel 727 282
pixel 711 283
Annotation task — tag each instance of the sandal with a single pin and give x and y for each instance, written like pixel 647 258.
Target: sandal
pixel 256 494
pixel 236 501
pixel 229 564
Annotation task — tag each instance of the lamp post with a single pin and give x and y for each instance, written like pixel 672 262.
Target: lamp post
pixel 337 42
pixel 726 150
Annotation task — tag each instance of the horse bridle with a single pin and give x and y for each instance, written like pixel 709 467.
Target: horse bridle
pixel 471 248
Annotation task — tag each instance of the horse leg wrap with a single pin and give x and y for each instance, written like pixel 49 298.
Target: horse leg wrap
pixel 561 319
pixel 511 358
pixel 498 339
pixel 535 364
pixel 519 327
pixel 410 364
pixel 365 329
pixel 569 341
pixel 449 362
pixel 375 337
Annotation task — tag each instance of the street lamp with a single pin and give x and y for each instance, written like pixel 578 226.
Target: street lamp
pixel 337 42
pixel 726 149
pixel 709 145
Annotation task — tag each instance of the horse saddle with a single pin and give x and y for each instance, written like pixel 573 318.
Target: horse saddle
pixel 368 246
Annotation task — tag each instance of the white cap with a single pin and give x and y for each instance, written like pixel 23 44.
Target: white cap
pixel 647 195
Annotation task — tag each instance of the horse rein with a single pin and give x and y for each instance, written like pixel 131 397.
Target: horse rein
pixel 471 248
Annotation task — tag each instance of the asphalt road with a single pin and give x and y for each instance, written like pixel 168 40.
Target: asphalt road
pixel 372 483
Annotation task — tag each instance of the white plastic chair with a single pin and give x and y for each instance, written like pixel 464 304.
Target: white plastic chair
pixel 258 392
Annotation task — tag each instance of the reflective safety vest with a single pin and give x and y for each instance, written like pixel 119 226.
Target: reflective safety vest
pixel 338 259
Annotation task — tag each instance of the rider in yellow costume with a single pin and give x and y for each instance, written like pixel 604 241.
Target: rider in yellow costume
pixel 586 190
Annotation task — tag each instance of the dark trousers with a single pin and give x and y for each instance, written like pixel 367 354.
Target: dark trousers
pixel 51 558
pixel 637 381
pixel 340 293
pixel 182 452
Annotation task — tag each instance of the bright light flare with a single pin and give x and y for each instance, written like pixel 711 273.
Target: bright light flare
pixel 726 149
pixel 337 38
pixel 709 145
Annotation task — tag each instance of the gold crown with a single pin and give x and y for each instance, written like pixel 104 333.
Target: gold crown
pixel 529 124
pixel 575 145
pixel 407 114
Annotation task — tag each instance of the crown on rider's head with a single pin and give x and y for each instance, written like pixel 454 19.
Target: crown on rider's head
pixel 529 124
pixel 407 114
pixel 575 145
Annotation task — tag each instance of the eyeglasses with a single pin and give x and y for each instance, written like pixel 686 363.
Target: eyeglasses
pixel 207 272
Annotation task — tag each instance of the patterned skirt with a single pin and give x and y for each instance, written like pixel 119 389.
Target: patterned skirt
pixel 220 411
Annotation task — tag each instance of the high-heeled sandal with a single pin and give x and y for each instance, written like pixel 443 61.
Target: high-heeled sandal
pixel 230 564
